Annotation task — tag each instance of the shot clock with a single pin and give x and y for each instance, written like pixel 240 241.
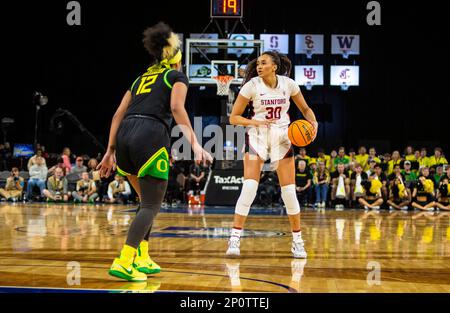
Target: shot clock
pixel 226 8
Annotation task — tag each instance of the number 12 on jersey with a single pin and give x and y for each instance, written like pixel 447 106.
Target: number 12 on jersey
pixel 146 81
pixel 273 113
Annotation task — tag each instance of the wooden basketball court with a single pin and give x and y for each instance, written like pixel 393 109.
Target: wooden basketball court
pixel 69 248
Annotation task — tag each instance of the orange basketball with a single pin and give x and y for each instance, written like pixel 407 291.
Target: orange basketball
pixel 301 133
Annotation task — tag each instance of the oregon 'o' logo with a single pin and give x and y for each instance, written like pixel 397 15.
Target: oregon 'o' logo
pixel 161 165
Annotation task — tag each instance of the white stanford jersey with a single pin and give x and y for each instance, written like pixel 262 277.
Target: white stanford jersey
pixel 270 103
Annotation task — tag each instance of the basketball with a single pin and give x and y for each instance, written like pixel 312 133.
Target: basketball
pixel 301 133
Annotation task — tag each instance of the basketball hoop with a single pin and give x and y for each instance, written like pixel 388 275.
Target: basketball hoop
pixel 223 84
pixel 308 85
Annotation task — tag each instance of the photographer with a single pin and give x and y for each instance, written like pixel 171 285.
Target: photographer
pixel 57 187
pixel 119 190
pixel 86 189
pixel 14 186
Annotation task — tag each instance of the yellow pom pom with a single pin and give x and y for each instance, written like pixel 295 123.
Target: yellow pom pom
pixel 428 186
pixel 375 186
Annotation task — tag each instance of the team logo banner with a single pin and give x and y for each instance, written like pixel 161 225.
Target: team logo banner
pixel 276 42
pixel 200 71
pixel 241 50
pixel 345 44
pixel 204 36
pixel 309 74
pixel 348 75
pixel 308 44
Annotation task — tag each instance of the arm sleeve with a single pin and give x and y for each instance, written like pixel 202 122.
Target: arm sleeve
pixel 293 87
pixel 248 90
pixel 176 77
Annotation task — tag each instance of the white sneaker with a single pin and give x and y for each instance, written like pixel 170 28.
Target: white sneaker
pixel 298 249
pixel 233 246
pixel 405 208
pixel 391 208
pixel 323 204
pixel 366 208
pixel 376 207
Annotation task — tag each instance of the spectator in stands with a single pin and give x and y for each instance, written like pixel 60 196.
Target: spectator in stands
pixel 371 169
pixel 176 183
pixel 86 190
pixel 342 158
pixel 340 186
pixel 333 156
pixel 79 168
pixel 385 162
pixel 59 164
pixel 352 159
pixel 373 155
pixel 14 186
pixel 372 198
pixel 410 176
pixel 399 195
pixel 447 173
pixel 396 173
pixel 322 157
pixel 32 160
pixel 381 176
pixel 303 179
pixel 66 160
pixel 443 194
pixel 396 159
pixel 197 177
pixel 423 193
pixel 321 180
pixel 438 175
pixel 362 158
pixel 38 175
pixel 437 158
pixel 357 178
pixel 57 187
pixel 423 159
pixel 119 190
pixel 303 156
pixel 410 154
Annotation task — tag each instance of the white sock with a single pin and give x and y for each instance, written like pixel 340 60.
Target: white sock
pixel 297 236
pixel 236 233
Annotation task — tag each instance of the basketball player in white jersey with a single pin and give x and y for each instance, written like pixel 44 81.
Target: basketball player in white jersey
pixel 266 94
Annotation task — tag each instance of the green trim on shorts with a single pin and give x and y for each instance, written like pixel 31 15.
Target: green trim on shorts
pixel 122 172
pixel 165 79
pixel 157 166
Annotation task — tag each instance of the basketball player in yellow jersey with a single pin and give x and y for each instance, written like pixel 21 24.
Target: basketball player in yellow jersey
pixel 268 87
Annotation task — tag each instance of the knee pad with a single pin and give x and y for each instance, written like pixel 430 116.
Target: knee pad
pixel 289 196
pixel 248 194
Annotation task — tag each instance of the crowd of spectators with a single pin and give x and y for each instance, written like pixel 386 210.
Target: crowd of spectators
pixel 74 178
pixel 339 179
pixel 372 181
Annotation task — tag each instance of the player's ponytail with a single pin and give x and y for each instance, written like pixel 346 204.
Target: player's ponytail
pixel 283 63
pixel 161 42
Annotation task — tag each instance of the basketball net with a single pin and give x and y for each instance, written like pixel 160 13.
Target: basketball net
pixel 223 84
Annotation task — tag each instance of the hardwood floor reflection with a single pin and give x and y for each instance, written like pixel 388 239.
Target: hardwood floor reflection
pixel 41 245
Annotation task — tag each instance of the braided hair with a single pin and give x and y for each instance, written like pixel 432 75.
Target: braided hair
pixel 160 42
pixel 283 63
